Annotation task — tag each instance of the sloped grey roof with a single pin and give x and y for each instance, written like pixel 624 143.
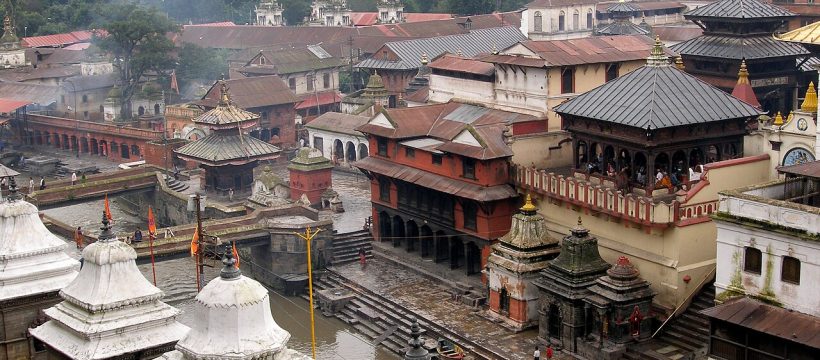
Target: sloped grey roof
pixel 739 9
pixel 476 42
pixel 626 7
pixel 657 96
pixel 216 149
pixel 621 28
pixel 728 47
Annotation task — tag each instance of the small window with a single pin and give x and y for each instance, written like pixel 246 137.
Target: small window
pixel 310 79
pixel 790 272
pixel 561 21
pixel 292 83
pixel 436 159
pixel 470 214
pixel 753 260
pixel 567 81
pixel 409 152
pixel 384 190
pixel 382 145
pixel 611 72
pixel 468 167
pixel 261 60
pixel 538 22
pixel 85 98
pixel 589 19
pixel 326 80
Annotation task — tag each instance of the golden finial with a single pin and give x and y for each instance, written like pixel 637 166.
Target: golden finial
pixel 424 58
pixel 810 102
pixel 657 57
pixel 580 223
pixel 743 74
pixel 224 98
pixel 679 63
pixel 528 206
pixel 778 120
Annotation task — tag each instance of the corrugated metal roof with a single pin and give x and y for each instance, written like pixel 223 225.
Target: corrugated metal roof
pixel 252 92
pixel 338 122
pixel 810 64
pixel 730 47
pixel 809 34
pixel 591 50
pixel 33 93
pixel 621 28
pixel 657 96
pixel 220 149
pixel 476 42
pixel 789 325
pixel 810 169
pixel 460 64
pixel 739 9
pixel 604 8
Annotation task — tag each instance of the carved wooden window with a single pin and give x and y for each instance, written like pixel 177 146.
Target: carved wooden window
pixel 752 260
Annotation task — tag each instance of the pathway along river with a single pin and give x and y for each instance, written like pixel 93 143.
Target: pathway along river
pixel 335 340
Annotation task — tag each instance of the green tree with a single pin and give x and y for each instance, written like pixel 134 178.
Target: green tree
pixel 137 40
pixel 295 11
pixel 470 7
pixel 196 62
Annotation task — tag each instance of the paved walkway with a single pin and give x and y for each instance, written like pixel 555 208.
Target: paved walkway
pixel 430 299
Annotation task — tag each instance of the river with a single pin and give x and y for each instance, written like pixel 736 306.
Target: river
pixel 334 339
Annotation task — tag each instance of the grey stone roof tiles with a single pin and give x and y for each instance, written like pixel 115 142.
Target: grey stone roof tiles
pixel 219 148
pixel 728 47
pixel 621 28
pixel 656 96
pixel 738 9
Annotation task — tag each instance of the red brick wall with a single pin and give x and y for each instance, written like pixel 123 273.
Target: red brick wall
pixel 530 127
pixel 518 308
pixel 310 183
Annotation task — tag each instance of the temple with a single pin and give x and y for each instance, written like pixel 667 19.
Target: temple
pixel 621 23
pixel 33 269
pixel 228 154
pixel 110 310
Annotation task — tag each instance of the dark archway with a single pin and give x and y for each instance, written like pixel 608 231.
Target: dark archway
pixel 473 258
pixel 609 161
pixel 582 155
pixel 712 154
pixel 384 226
pixel 456 252
pixel 350 152
pixel 554 325
pixel 65 142
pixel 75 144
pixel 255 134
pixel 426 237
pixel 84 145
pixel 135 150
pixel 95 147
pixel 362 151
pixel 662 162
pixel 398 231
pixel 338 150
pixel 38 137
pixel 679 160
pixel 412 235
pixel 695 157
pixel 141 111
pixel 640 169
pixel 156 109
pixel 124 151
pixel 265 135
pixel 47 138
pixel 442 247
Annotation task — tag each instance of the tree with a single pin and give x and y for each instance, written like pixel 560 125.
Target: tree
pixel 196 62
pixel 137 40
pixel 471 7
pixel 295 11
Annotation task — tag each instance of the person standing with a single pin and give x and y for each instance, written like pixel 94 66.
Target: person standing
pixel 73 178
pixel 549 352
pixel 536 355
pixel 78 237
pixel 30 184
pixel 42 183
pixel 137 236
pixel 230 194
pixel 362 257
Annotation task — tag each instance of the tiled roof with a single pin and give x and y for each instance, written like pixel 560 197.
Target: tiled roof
pixel 591 50
pixel 476 42
pixel 621 28
pixel 656 96
pixel 89 82
pixel 557 3
pixel 218 149
pixel 809 34
pixel 59 40
pixel 319 98
pixel 739 9
pixel 338 122
pixel 604 7
pixel 253 92
pixel 33 93
pixel 729 47
pixel 30 73
pixel 461 64
pixel 285 59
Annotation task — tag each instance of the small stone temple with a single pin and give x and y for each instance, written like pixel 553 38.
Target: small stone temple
pixel 33 269
pixel 310 175
pixel 416 350
pixel 621 301
pixel 228 154
pixel 110 311
pixel 513 265
pixel 233 321
pixel 564 285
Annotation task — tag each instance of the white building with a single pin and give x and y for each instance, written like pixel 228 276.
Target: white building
pixel 109 310
pixel 335 135
pixel 330 13
pixel 390 11
pixel 558 19
pixel 767 244
pixel 233 320
pixel 12 55
pixel 269 13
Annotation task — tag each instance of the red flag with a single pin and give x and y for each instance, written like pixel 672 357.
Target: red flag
pixel 152 225
pixel 107 209
pixel 235 255
pixel 195 242
pixel 174 84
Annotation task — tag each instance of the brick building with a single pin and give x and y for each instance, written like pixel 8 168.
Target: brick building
pixel 439 179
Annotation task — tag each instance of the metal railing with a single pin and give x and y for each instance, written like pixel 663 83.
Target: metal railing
pixel 685 303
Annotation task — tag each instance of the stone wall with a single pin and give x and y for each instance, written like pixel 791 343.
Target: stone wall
pixel 17 315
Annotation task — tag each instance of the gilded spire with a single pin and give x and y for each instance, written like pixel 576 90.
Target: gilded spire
pixel 679 63
pixel 460 53
pixel 810 102
pixel 528 207
pixel 778 119
pixel 743 74
pixel 224 97
pixel 424 58
pixel 657 57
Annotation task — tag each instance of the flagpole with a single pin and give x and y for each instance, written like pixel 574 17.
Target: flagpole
pixel 308 237
pixel 151 247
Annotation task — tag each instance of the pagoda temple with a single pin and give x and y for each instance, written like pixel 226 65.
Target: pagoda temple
pixel 564 285
pixel 110 311
pixel 621 21
pixel 33 269
pixel 232 320
pixel 513 265
pixel 734 30
pixel 654 120
pixel 228 154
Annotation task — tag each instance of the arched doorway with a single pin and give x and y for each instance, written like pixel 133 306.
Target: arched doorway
pixel 662 162
pixel 473 258
pixel 554 323
pixel 338 151
pixel 398 231
pixel 156 109
pixel 456 252
pixel 75 144
pixel 103 148
pixel 362 151
pixel 384 226
pixel 412 235
pixel 124 151
pixel 712 154
pixel 625 160
pixel 95 147
pixel 640 168
pixel 582 157
pixel 47 138
pixel 608 167
pixel 426 237
pixel 84 145
pixel 679 162
pixel 65 142
pixel 695 157
pixel 350 152
pixel 442 247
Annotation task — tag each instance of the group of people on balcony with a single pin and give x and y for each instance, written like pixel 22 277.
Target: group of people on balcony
pixel 676 179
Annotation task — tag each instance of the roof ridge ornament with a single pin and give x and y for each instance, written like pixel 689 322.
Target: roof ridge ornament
pixel 528 208
pixel 743 73
pixel 679 63
pixel 106 235
pixel 810 102
pixel 657 57
pixel 224 96
pixel 778 119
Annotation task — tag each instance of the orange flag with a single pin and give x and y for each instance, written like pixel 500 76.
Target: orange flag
pixel 195 242
pixel 107 208
pixel 152 225
pixel 235 255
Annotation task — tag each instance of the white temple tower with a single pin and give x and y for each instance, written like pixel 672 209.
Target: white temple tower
pixel 269 13
pixel 110 309
pixel 390 11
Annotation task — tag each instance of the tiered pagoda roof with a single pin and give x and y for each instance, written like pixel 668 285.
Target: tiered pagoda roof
pixel 621 13
pixel 657 95
pixel 577 267
pixel 621 284
pixel 737 48
pixel 739 10
pixel 32 259
pixel 110 309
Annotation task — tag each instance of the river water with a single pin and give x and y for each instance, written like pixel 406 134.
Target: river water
pixel 177 278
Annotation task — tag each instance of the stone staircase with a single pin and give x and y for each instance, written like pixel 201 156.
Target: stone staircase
pixel 686 337
pixel 176 185
pixel 346 246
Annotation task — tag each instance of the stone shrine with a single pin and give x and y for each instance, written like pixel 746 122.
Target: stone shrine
pixel 310 175
pixel 513 265
pixel 110 310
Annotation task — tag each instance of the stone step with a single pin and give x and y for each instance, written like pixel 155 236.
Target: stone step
pixel 696 341
pixel 344 243
pixel 632 355
pixel 677 343
pixel 692 326
pixel 695 319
